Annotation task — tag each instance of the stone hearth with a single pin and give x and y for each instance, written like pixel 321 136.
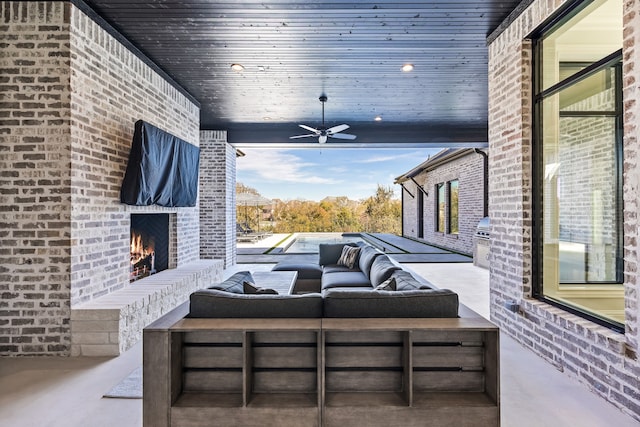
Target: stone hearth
pixel 109 325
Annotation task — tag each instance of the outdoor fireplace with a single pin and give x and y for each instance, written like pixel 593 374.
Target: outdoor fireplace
pixel 149 252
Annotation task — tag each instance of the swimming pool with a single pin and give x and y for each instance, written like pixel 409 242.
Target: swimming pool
pixel 308 243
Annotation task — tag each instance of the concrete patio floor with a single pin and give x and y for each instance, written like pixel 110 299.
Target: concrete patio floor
pixel 67 392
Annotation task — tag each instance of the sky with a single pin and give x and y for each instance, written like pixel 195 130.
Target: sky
pixel 313 174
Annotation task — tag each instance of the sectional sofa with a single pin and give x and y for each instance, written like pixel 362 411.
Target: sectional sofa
pixel 373 286
pixel 362 343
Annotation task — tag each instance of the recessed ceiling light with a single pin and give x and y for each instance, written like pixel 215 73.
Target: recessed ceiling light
pixel 377 118
pixel 261 68
pixel 407 67
pixel 237 67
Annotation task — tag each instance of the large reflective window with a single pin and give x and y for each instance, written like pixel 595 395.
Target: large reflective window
pixel 593 32
pixel 579 186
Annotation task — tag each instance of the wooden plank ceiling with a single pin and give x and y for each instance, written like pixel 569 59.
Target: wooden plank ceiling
pixel 295 50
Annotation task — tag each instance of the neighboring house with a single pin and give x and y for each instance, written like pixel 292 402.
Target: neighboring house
pixel 444 198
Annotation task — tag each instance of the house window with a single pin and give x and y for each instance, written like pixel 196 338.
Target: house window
pixel 440 208
pixel 453 207
pixel 578 153
pixel 420 213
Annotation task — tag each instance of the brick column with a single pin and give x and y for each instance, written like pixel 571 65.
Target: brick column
pixel 217 197
pixel 35 200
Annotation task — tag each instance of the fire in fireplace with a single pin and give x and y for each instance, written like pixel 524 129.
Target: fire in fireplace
pixel 149 252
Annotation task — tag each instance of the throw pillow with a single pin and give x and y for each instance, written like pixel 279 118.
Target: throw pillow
pixel 249 288
pixel 387 285
pixel 349 256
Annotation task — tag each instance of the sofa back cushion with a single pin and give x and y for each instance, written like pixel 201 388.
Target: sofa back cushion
pixel 235 283
pixel 405 281
pixel 381 269
pixel 213 303
pixel 366 304
pixel 329 253
pixel 367 255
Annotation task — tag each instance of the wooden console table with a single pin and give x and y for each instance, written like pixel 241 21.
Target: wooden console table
pixel 321 372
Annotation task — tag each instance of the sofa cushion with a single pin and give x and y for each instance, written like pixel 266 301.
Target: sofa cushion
pixel 335 268
pixel 349 256
pixel 381 269
pixel 329 253
pixel 405 281
pixel 251 288
pixel 306 270
pixel 235 283
pixel 212 303
pixel 418 303
pixel 349 279
pixel 387 285
pixel 367 255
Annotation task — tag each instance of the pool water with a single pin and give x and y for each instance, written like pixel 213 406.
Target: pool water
pixel 308 244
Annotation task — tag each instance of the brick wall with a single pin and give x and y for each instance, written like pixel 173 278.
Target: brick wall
pixel 35 199
pixel 603 360
pixel 70 95
pixel 111 90
pixel 217 197
pixel 631 147
pixel 468 170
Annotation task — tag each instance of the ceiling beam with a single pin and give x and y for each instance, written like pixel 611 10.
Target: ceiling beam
pixel 369 135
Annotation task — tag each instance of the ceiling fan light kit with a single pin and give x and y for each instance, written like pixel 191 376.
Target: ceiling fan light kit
pixel 323 133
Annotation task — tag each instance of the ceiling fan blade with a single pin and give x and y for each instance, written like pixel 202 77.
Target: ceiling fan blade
pixel 310 129
pixel 302 136
pixel 342 136
pixel 337 129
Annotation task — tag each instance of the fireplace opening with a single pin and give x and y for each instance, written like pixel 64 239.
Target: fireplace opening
pixel 149 245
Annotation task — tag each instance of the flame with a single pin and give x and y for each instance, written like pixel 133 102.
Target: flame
pixel 138 251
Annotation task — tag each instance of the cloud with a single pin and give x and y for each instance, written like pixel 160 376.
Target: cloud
pixel 278 166
pixel 394 156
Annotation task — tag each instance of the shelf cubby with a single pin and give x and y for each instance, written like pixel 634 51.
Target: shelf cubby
pixel 322 372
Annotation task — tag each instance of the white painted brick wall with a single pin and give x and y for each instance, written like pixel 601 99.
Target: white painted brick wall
pixel 605 361
pixel 70 95
pixel 111 90
pixel 217 197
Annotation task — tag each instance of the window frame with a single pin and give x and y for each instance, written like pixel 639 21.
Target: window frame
pixel 450 205
pixel 441 186
pixel 612 60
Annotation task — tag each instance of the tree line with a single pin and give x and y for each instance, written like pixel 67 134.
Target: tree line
pixel 379 213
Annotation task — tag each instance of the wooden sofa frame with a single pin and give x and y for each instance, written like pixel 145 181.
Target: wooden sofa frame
pixel 321 372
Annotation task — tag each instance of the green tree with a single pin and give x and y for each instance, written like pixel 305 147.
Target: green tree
pixel 379 213
pixel 382 213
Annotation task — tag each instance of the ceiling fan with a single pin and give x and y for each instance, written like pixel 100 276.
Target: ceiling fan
pixel 323 133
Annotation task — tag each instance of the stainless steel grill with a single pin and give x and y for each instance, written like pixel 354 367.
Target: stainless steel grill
pixel 484 228
pixel 481 243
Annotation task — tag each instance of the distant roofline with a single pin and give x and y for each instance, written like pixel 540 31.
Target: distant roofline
pixel 442 157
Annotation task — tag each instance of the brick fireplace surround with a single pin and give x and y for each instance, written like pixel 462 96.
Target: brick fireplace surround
pixel 70 95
